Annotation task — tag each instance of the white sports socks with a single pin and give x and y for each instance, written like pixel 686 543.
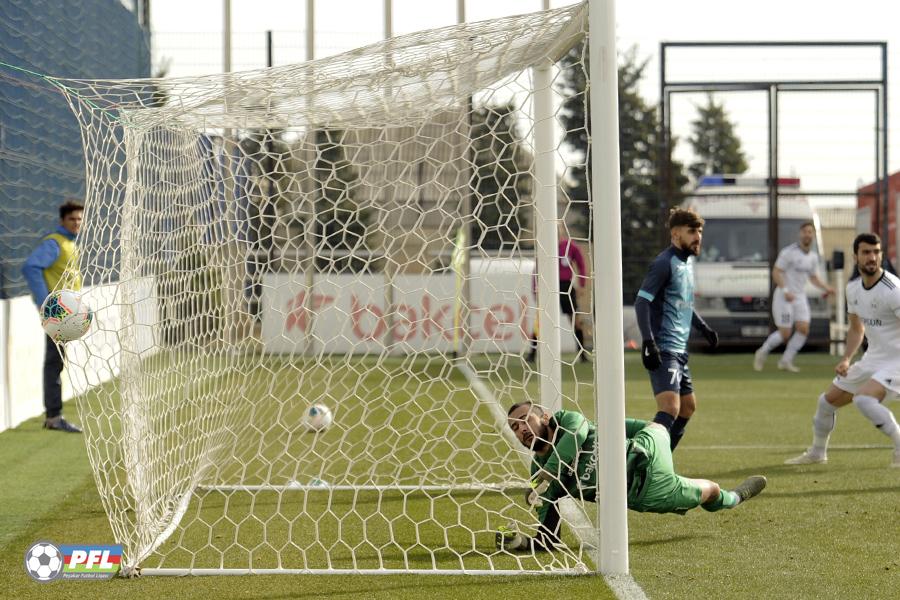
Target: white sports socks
pixel 793 347
pixel 773 341
pixel 823 425
pixel 880 415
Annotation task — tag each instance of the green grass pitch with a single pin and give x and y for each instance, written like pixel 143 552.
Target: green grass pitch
pixel 822 531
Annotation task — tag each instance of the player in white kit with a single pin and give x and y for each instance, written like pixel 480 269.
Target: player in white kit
pixel 796 264
pixel 873 304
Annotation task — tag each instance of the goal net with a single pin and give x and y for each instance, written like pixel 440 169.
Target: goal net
pixel 371 232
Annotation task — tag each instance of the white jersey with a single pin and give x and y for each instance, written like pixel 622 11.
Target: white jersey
pixel 878 307
pixel 797 266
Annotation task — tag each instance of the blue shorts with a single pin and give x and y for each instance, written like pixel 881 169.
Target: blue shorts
pixel 673 375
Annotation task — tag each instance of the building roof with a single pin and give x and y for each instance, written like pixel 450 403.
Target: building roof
pixel 837 217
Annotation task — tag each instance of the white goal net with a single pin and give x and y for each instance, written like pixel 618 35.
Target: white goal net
pixel 360 232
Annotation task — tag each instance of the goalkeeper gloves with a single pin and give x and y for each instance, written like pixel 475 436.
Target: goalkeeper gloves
pixel 533 495
pixel 650 355
pixel 509 539
pixel 712 338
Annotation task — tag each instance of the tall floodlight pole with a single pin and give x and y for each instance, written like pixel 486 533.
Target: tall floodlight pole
pixel 609 358
pixel 235 254
pixel 226 36
pixel 390 292
pixel 310 29
pixel 463 268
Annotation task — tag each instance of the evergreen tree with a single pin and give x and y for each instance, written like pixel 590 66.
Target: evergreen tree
pixel 643 203
pixel 340 223
pixel 500 178
pixel 715 143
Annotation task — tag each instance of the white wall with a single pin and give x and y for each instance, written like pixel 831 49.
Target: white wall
pixel 22 346
pixel 24 350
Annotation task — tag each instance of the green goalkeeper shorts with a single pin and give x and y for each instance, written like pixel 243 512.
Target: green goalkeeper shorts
pixel 664 491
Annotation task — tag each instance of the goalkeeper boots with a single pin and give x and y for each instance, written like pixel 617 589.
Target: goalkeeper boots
pixel 750 487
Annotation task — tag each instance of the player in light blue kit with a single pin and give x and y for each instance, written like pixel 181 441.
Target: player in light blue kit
pixel 665 314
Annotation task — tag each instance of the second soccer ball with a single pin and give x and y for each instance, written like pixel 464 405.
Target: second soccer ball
pixel 317 417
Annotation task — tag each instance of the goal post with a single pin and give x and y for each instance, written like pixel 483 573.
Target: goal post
pixel 609 359
pixel 376 232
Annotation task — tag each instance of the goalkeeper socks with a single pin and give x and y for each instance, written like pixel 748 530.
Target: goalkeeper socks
pixel 664 419
pixel 823 425
pixel 881 417
pixel 793 347
pixel 677 431
pixel 726 499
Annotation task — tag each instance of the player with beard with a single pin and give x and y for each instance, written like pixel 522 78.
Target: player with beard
pixel 564 464
pixel 665 314
pixel 873 305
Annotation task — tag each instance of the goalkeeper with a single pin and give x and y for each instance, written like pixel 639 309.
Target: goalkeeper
pixel 564 464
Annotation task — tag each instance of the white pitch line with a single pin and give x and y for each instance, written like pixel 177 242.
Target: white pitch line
pixel 785 447
pixel 625 587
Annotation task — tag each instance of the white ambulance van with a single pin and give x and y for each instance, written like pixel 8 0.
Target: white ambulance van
pixel 731 276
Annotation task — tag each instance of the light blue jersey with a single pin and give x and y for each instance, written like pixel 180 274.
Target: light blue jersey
pixel 669 288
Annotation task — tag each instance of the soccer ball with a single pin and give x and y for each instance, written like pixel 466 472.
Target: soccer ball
pixel 65 316
pixel 43 561
pixel 317 417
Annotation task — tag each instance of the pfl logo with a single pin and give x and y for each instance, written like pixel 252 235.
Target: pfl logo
pixel 90 562
pixel 46 561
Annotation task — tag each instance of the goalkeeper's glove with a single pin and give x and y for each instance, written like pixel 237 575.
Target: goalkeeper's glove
pixel 533 494
pixel 509 539
pixel 650 355
pixel 712 338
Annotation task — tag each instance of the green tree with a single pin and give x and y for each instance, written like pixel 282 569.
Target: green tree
pixel 643 203
pixel 340 223
pixel 500 178
pixel 715 143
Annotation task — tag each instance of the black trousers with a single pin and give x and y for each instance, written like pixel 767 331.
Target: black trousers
pixel 53 366
pixel 547 536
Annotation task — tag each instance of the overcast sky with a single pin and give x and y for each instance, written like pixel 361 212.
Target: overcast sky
pixel 826 139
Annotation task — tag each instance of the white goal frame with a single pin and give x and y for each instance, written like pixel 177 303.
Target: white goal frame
pixel 609 551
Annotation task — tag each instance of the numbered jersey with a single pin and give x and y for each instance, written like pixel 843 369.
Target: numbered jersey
pixel 878 307
pixel 669 288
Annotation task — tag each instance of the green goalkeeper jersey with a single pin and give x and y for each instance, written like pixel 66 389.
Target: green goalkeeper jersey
pixel 571 462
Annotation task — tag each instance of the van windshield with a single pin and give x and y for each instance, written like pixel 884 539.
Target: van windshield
pixel 745 240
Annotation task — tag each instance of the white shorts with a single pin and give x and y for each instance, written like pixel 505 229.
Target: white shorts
pixel 862 371
pixel 787 313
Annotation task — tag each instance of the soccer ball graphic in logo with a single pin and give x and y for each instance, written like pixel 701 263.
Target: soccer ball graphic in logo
pixel 43 561
pixel 65 316
pixel 317 417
